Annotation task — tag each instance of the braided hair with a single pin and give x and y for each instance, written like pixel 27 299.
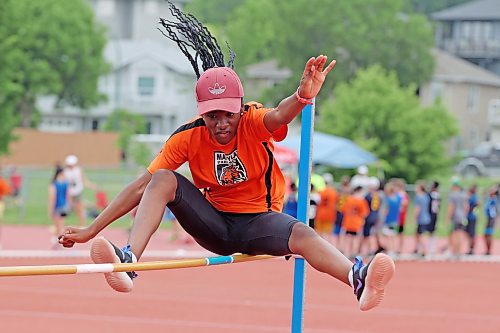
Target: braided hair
pixel 190 33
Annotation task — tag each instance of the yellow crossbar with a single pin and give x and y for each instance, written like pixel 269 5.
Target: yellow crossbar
pixel 119 267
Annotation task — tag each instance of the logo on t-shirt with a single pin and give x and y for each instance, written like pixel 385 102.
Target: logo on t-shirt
pixel 229 169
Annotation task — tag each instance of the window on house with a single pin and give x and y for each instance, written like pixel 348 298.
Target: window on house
pixel 436 90
pixel 173 122
pixel 105 8
pixel 146 85
pixel 151 7
pixel 472 99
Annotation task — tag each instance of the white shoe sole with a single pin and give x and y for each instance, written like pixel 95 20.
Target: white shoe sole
pixel 379 274
pixel 102 252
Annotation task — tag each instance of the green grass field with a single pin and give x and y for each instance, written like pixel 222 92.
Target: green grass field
pixel 35 193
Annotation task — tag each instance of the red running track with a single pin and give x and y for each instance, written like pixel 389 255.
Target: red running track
pixel 247 297
pixel 251 297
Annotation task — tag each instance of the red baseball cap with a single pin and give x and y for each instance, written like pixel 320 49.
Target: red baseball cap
pixel 219 88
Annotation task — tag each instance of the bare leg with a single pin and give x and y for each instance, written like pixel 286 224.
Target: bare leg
pixel 456 239
pixel 488 241
pixel 80 211
pixel 59 224
pixel 160 191
pixel 417 243
pixel 319 253
pixel 472 243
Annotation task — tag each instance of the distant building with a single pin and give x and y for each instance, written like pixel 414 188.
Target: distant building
pixel 470 93
pixel 150 76
pixel 262 76
pixel 471 31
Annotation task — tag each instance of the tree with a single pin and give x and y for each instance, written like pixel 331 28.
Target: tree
pixel 357 33
pixel 126 124
pixel 55 47
pixel 386 119
pixel 140 153
pixel 8 89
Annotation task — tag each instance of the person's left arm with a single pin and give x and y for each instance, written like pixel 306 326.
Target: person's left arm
pixel 310 84
pixel 86 182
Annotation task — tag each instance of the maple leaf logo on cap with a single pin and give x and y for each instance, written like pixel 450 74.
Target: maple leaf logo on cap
pixel 217 90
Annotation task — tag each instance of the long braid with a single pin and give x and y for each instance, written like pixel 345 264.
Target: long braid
pixel 189 33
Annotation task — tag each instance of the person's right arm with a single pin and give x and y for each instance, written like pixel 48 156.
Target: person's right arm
pixel 127 199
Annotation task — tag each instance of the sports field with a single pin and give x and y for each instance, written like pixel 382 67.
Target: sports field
pixel 425 296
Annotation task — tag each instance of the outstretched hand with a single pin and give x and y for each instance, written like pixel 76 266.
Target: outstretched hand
pixel 314 75
pixel 72 235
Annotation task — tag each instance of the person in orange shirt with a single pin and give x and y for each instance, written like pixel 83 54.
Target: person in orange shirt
pixel 4 191
pixel 344 192
pixel 229 148
pixel 355 211
pixel 327 209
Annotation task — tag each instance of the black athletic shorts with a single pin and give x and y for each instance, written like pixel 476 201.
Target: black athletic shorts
pixel 432 225
pixel 423 228
pixel 227 233
pixel 470 228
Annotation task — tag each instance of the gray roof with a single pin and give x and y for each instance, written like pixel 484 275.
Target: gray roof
pixel 123 52
pixel 450 68
pixel 483 10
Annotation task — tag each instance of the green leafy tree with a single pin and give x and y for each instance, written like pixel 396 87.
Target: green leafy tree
pixel 357 33
pixel 386 119
pixel 55 47
pixel 140 153
pixel 8 89
pixel 126 124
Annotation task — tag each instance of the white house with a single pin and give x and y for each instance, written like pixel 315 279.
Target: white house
pixel 469 92
pixel 150 76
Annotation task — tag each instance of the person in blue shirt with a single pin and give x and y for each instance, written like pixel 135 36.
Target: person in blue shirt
pixel 490 209
pixel 422 216
pixel 290 206
pixel 374 201
pixel 391 216
pixel 58 203
pixel 472 217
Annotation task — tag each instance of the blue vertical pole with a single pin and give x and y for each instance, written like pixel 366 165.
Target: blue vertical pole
pixel 302 213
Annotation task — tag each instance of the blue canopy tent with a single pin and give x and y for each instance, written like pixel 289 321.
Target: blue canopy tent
pixel 332 150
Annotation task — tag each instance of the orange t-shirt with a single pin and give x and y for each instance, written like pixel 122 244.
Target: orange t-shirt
pixel 327 207
pixel 355 210
pixel 239 177
pixel 4 188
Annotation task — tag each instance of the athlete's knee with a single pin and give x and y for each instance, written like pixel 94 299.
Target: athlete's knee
pixel 163 180
pixel 301 237
pixel 162 176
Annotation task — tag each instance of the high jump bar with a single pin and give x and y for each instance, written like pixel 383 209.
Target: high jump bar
pixel 127 267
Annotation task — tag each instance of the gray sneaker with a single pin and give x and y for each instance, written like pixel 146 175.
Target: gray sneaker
pixel 104 252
